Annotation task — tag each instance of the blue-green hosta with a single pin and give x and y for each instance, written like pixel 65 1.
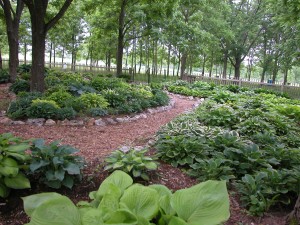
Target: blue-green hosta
pixel 119 201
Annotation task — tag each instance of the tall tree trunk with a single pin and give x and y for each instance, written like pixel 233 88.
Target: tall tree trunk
pixel 25 53
pixel 63 56
pixel 179 63
pixel 211 66
pixel 275 70
pixel 108 60
pixel 237 70
pixel 203 65
pixel 183 64
pixel 1 64
pixel 50 62
pixel 141 56
pixel 225 61
pixel 54 55
pixel 121 38
pixel 285 76
pixel 169 58
pixel 12 20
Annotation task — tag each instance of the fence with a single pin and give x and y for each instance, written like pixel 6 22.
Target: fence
pixel 292 91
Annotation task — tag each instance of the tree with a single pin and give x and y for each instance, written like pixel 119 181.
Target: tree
pixel 12 20
pixel 40 25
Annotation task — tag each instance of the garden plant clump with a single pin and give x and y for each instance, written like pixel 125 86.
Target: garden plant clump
pixel 248 139
pixel 119 201
pixel 71 94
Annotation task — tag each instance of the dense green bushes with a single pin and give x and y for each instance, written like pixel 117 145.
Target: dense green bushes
pixel 249 139
pixel 71 93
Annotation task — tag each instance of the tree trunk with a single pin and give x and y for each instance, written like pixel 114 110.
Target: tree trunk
pixel 141 56
pixel 12 27
pixel 211 67
pixel 62 56
pixel 1 64
pixel 38 59
pixel 263 74
pixel 294 216
pixel 183 65
pixel 237 70
pixel 169 58
pixel 285 76
pixel 50 62
pixel 275 70
pixel 121 38
pixel 179 63
pixel 54 55
pixel 225 60
pixel 203 65
pixel 108 61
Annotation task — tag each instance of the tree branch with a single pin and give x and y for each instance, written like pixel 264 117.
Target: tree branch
pixel 60 14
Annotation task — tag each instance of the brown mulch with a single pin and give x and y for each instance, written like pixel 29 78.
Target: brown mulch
pixel 95 143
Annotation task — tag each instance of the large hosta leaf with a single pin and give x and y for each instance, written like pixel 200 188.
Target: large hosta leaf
pixel 18 182
pixel 204 204
pixel 119 178
pixel 54 211
pixel 141 201
pixel 122 217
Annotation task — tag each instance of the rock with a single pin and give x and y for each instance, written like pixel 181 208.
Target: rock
pixel 5 120
pixel 151 142
pixel 50 122
pixel 36 122
pixel 91 122
pixel 76 123
pixel 2 113
pixel 139 148
pixel 65 122
pixel 17 122
pixel 191 98
pixel 150 111
pixel 100 122
pixel 125 149
pixel 144 116
pixel 111 121
pixel 122 120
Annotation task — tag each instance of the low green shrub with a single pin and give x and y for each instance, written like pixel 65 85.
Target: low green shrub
pixel 133 162
pixel 60 97
pixel 57 165
pixel 13 159
pixel 40 108
pixel 4 76
pixel 160 98
pixel 65 113
pixel 18 108
pixel 100 83
pixel 119 201
pixel 78 89
pixel 291 111
pixel 24 68
pixel 92 100
pixel 94 112
pixel 20 86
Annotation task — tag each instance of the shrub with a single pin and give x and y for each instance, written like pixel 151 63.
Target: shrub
pixel 78 89
pixel 17 109
pixel 133 162
pixel 57 165
pixel 20 86
pixel 119 201
pixel 42 109
pixel 60 97
pixel 4 76
pixel 101 84
pixel 93 100
pixel 65 113
pixel 94 112
pixel 24 68
pixel 12 159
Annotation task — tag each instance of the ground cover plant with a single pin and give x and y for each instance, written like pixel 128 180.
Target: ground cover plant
pixel 71 94
pixel 248 139
pixel 20 159
pixel 119 201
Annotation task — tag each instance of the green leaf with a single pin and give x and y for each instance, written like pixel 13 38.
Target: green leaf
pixel 55 211
pixel 110 201
pixel 119 178
pixel 141 201
pixel 122 217
pixel 18 182
pixel 136 173
pixel 72 168
pixel 92 217
pixel 35 165
pixel 177 221
pixel 59 174
pixel 206 203
pixel 18 148
pixel 68 181
pixel 34 201
pixel 4 191
pixel 151 165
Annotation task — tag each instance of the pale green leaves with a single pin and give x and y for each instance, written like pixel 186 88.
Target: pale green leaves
pixel 119 202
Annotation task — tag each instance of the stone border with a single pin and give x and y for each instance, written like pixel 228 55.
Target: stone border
pixel 102 121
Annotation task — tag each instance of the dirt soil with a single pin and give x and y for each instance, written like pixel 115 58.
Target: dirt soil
pixel 95 143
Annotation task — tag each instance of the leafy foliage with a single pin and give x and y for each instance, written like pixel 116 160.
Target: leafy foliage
pixel 56 164
pixel 4 76
pixel 20 86
pixel 12 161
pixel 119 201
pixel 133 162
pixel 40 108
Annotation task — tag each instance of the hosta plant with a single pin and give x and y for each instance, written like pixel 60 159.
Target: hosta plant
pixel 12 160
pixel 119 201
pixel 133 162
pixel 57 165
